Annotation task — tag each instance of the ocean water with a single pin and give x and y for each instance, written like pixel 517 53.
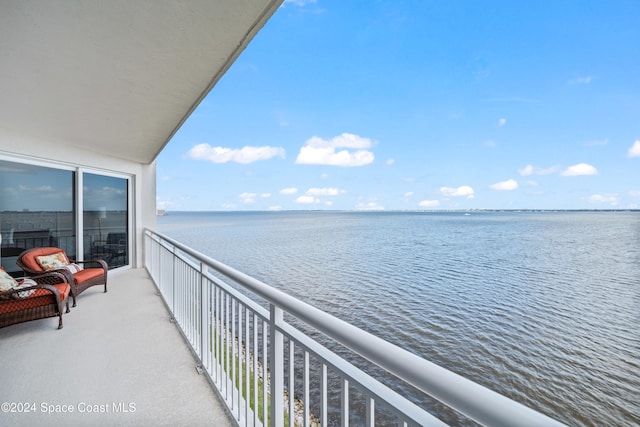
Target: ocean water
pixel 543 307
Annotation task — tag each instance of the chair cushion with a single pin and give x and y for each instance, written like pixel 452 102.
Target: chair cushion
pixel 29 258
pixel 54 261
pixel 26 283
pixel 7 283
pixel 73 268
pixel 87 274
pixel 39 298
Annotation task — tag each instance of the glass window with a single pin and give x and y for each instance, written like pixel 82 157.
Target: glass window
pixel 36 209
pixel 105 218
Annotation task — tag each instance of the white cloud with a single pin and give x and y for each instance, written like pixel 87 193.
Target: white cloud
pixel 247 197
pixel 345 140
pixel 289 191
pixel 580 169
pixel 502 122
pixel 548 171
pixel 390 162
pixel 307 200
pixel 300 3
pixel 49 189
pixel 611 199
pixel 463 191
pixel 409 194
pixel 581 80
pixel 429 203
pixel 274 208
pixel 166 204
pixel 265 195
pixel 510 184
pixel 526 171
pixel 318 151
pixel 324 192
pixel 329 156
pixel 634 193
pixel 634 151
pixel 370 206
pixel 243 155
pixel 534 170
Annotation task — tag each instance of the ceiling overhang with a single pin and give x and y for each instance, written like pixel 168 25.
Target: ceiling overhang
pixel 117 77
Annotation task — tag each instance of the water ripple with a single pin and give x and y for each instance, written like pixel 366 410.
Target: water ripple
pixel 543 308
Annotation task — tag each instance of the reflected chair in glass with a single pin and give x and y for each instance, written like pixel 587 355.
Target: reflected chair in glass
pixel 94 271
pixel 117 244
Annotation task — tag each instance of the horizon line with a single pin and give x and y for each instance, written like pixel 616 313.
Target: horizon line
pixel 410 210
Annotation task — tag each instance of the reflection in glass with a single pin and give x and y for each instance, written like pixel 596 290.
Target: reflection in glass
pixel 36 210
pixel 105 219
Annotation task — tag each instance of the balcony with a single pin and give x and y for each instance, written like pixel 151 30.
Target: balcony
pixel 117 361
pixel 121 359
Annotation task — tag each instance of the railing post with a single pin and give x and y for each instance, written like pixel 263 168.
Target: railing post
pixel 204 323
pixel 174 259
pixel 344 407
pixel 276 367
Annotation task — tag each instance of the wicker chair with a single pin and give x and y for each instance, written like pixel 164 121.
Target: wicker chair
pixel 44 299
pixel 93 273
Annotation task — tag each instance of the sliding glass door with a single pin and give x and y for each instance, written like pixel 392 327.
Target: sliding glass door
pixel 105 219
pixel 36 210
pixel 38 206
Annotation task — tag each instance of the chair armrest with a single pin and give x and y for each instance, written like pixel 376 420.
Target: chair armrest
pixel 44 286
pixel 102 263
pixel 8 295
pixel 48 279
pixel 51 277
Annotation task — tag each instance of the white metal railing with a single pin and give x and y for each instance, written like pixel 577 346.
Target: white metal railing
pixel 266 370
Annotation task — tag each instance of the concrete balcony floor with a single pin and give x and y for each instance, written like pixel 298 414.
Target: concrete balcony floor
pixel 118 354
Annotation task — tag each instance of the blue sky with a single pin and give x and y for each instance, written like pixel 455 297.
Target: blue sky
pixel 411 105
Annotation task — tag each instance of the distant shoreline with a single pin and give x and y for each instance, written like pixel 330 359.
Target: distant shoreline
pixel 408 210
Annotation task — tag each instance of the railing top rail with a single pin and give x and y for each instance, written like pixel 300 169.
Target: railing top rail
pixel 465 396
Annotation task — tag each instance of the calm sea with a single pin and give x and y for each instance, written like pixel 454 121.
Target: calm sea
pixel 541 307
